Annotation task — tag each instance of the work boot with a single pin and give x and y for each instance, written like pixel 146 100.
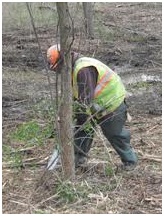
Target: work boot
pixel 129 165
pixel 79 160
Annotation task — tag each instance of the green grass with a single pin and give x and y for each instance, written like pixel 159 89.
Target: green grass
pixel 27 134
pixel 70 192
pixel 66 192
pixel 109 171
pixel 27 131
pixel 12 156
pixel 32 133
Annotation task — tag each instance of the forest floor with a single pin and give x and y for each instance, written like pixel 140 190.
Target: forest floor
pixel 133 49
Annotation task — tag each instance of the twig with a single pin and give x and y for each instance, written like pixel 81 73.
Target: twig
pixel 49 198
pixel 27 162
pixel 13 201
pixel 153 144
pixel 47 7
pixel 7 126
pixel 13 103
pixel 28 149
pixel 154 198
pixel 147 143
pixel 150 157
pixel 152 128
pixel 4 184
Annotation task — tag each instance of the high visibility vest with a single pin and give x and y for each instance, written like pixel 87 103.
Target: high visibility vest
pixel 109 92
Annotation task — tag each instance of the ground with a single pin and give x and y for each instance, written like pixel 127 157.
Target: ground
pixel 128 38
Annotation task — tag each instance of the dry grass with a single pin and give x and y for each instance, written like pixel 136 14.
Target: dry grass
pixel 99 187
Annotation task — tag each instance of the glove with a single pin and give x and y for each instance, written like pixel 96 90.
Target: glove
pixel 96 108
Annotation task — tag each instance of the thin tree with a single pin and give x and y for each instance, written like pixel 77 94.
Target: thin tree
pixel 65 112
pixel 88 19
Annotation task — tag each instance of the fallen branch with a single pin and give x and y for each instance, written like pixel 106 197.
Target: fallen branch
pixel 27 150
pixel 23 204
pixel 150 157
pixel 16 102
pixel 154 198
pixel 24 163
pixel 154 157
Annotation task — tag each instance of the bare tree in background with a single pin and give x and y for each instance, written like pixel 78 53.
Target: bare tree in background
pixel 88 18
pixel 65 113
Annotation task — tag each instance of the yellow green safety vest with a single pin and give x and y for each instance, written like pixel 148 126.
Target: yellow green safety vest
pixel 109 92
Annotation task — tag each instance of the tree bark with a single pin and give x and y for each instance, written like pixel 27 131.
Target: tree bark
pixel 65 112
pixel 88 19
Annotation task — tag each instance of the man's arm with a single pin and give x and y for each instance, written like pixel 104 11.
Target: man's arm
pixel 87 81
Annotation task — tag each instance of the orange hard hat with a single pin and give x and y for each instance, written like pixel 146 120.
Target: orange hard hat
pixel 53 55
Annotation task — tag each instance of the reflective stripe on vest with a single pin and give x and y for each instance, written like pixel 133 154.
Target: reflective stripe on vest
pixel 103 82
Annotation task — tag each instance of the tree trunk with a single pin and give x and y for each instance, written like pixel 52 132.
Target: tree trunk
pixel 65 113
pixel 88 19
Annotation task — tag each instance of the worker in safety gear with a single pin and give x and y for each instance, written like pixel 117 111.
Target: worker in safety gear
pixel 99 99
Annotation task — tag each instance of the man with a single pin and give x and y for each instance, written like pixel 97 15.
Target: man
pixel 100 98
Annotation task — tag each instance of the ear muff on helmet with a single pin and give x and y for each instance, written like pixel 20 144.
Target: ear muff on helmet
pixel 53 56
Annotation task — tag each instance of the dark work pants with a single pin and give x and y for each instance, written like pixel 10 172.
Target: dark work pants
pixel 114 130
